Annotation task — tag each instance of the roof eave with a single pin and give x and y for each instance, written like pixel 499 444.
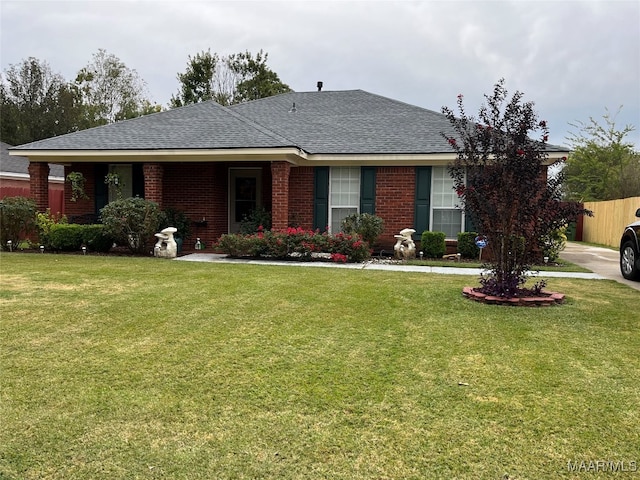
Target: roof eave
pixel 290 154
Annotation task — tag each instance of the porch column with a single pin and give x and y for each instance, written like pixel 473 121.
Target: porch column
pixel 153 182
pixel 39 184
pixel 280 195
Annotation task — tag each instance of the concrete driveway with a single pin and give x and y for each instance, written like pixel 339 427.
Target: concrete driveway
pixel 603 261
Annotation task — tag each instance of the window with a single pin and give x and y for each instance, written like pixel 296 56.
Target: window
pixel 344 195
pixel 445 215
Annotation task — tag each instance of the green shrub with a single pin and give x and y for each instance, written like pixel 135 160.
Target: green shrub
pixel 44 222
pixel 172 217
pixel 467 247
pixel 368 226
pixel 66 237
pixel 132 222
pixel 433 244
pixel 252 222
pixel 238 245
pixel 553 243
pixel 17 220
pixel 295 243
pixel 96 238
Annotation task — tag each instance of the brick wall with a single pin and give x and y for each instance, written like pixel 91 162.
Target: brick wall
pixel 395 196
pixel 301 197
pixel 153 182
pixel 199 190
pixel 81 206
pixel 280 172
pixel 39 184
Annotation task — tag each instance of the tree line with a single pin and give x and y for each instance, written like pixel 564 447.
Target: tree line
pixel 37 103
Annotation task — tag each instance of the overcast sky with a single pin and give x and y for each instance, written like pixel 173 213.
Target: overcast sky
pixel 572 58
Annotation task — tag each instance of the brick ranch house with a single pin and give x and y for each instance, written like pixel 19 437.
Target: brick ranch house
pixel 310 158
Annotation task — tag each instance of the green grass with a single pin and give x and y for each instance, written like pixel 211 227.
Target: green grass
pixel 137 368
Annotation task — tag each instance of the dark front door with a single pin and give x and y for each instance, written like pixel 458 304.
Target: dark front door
pixel 245 189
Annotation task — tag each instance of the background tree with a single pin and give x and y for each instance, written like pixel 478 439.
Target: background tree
pixel 197 83
pixel 602 165
pixel 256 80
pixel 228 80
pixel 500 175
pixel 110 90
pixel 36 103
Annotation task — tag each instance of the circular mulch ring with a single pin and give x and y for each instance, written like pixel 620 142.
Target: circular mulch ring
pixel 544 299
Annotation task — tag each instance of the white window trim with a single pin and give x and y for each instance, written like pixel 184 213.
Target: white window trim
pixel 432 209
pixel 331 205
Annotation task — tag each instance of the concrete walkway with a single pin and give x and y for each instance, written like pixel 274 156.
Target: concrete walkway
pixel 374 265
pixel 603 261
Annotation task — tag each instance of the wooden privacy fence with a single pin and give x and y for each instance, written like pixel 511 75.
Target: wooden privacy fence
pixel 609 219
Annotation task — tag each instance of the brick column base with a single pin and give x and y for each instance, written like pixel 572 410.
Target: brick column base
pixel 39 184
pixel 153 173
pixel 280 195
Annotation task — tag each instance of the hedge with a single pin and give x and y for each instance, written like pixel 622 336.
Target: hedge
pixel 71 237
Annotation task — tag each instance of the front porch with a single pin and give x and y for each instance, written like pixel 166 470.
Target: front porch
pixel 214 195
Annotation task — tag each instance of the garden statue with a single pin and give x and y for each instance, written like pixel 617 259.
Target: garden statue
pixel 405 248
pixel 166 246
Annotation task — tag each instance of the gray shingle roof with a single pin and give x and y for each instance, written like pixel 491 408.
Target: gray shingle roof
pixel 340 122
pixel 205 125
pixel 350 122
pixel 324 122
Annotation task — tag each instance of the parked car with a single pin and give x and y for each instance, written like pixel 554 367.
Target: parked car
pixel 630 250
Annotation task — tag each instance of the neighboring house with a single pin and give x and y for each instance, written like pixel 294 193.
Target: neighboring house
pixel 14 179
pixel 310 158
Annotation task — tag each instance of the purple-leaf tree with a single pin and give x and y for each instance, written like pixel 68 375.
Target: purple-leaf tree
pixel 500 175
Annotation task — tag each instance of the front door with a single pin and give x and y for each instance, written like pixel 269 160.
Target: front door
pixel 245 193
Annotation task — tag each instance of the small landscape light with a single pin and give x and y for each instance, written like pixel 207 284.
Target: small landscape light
pixel 41 248
pixel 421 255
pixel 546 260
pixel 9 244
pixel 84 250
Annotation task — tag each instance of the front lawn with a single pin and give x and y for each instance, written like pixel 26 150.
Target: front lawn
pixel 140 368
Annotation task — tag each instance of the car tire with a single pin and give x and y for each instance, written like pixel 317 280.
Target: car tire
pixel 629 261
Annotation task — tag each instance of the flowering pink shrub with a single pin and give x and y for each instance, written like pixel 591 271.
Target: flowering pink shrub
pixel 338 258
pixel 295 243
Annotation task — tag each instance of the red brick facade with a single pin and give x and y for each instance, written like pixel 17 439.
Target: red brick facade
pixel 280 172
pixel 39 184
pixel 82 206
pixel 201 191
pixel 301 197
pixel 395 198
pixel 153 182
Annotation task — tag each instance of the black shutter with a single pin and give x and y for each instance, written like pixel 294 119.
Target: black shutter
pixel 423 200
pixel 368 190
pixel 320 198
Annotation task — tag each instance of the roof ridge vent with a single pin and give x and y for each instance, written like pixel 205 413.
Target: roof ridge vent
pixel 293 109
